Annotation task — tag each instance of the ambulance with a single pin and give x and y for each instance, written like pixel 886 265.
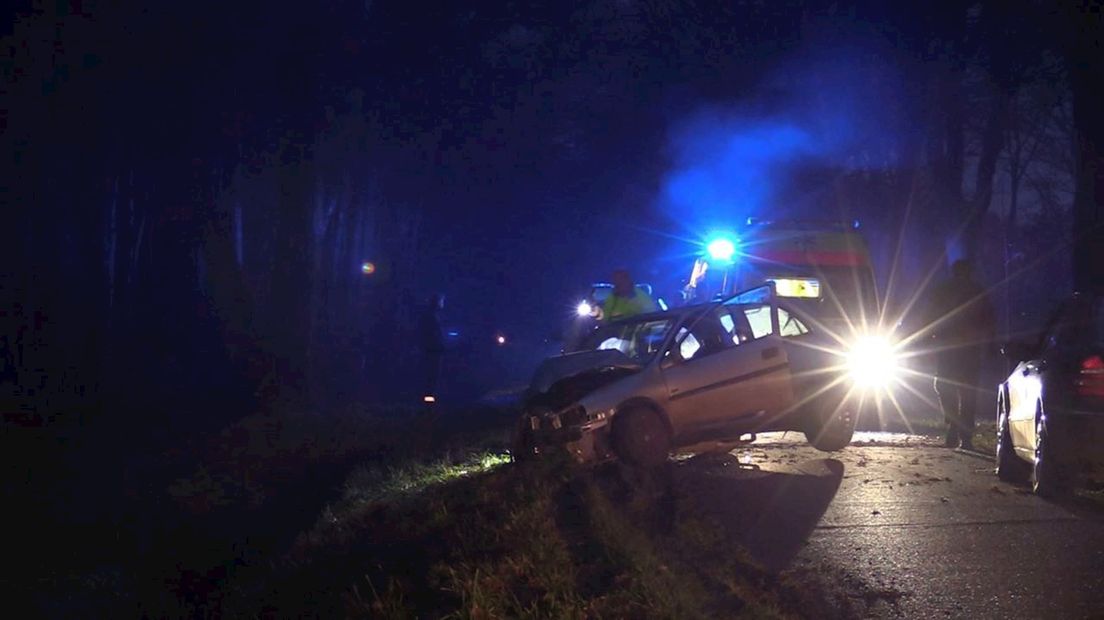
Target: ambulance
pixel 822 267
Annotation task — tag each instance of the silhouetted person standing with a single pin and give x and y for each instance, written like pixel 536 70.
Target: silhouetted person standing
pixel 432 341
pixel 961 322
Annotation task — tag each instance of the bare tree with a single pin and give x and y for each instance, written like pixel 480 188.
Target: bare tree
pixel 1086 68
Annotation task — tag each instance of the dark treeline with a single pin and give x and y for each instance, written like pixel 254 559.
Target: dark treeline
pixel 193 188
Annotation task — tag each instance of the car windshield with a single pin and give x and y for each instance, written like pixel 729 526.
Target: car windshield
pixel 640 340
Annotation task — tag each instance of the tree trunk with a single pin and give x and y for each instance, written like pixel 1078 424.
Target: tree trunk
pixel 1086 68
pixel 940 209
pixel 289 316
pixel 1014 176
pixel 992 142
pixel 112 243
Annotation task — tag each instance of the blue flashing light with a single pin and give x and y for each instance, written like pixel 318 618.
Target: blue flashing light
pixel 721 248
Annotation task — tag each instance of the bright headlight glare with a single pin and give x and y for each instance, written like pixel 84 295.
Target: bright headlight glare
pixel 872 362
pixel 583 309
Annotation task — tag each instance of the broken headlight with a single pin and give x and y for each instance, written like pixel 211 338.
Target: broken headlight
pixel 573 416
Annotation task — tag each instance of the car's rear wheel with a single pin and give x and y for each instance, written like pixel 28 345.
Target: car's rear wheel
pixel 1009 467
pixel 640 438
pixel 1046 476
pixel 832 429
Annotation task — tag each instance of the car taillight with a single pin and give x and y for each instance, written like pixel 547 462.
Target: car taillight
pixel 1090 379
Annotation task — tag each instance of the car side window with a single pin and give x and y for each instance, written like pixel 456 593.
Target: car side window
pixel 736 331
pixel 689 345
pixel 737 322
pixel 705 336
pixel 790 325
pixel 729 325
pixel 759 320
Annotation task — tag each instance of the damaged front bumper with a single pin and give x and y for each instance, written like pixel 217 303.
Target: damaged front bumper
pixel 585 438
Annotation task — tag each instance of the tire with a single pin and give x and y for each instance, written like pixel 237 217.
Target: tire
pixel 832 430
pixel 1009 467
pixel 522 448
pixel 1046 476
pixel 640 438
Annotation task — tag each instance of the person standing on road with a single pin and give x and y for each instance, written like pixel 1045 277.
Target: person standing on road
pixel 961 321
pixel 627 299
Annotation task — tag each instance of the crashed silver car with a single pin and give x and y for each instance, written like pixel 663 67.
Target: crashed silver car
pixel 642 387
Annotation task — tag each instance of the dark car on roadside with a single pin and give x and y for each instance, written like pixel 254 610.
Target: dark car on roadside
pixel 1050 409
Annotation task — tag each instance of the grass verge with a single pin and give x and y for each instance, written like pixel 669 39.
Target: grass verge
pixel 472 536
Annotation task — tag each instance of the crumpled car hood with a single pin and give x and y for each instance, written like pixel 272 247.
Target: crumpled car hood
pixel 561 367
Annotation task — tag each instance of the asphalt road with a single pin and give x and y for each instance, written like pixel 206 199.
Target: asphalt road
pixel 895 526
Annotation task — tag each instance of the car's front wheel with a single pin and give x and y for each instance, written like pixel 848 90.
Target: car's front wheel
pixel 1009 467
pixel 640 438
pixel 833 429
pixel 1046 477
pixel 522 447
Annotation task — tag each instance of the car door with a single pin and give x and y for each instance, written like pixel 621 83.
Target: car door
pixel 1025 387
pixel 726 367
